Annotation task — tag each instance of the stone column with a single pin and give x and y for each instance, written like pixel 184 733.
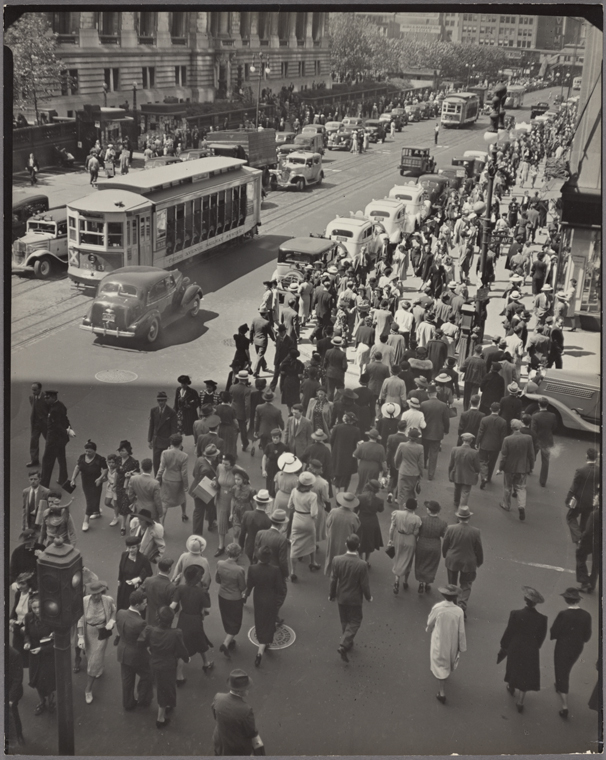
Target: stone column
pixel 254 30
pixel 163 38
pixel 292 29
pixel 274 40
pixel 309 43
pixel 128 33
pixel 89 36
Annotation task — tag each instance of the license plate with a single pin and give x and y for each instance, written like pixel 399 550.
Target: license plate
pixel 340 238
pixel 108 318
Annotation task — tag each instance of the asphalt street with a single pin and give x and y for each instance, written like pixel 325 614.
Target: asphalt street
pixel 306 700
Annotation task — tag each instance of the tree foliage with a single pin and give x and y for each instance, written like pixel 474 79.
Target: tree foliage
pixel 38 72
pixel 350 48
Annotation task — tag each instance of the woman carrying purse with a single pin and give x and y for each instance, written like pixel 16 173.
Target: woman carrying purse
pixel 94 630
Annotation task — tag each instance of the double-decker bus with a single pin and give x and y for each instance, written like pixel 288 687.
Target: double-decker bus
pixel 162 216
pixel 460 109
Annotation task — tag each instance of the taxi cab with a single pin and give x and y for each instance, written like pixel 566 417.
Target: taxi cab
pixel 297 169
pixel 574 397
pixel 354 234
pixel 436 186
pixel 390 213
pixel 298 253
pixel 417 205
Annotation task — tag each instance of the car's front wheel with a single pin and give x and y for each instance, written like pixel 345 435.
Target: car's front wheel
pixel 152 333
pixel 195 307
pixel 300 185
pixel 43 268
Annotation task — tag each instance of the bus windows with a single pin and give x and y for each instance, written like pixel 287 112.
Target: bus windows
pixel 73 234
pixel 179 226
pixel 236 207
pixel 91 233
pixel 115 235
pixel 220 211
pixel 228 209
pixel 205 217
pixel 197 221
pixel 170 230
pixel 161 229
pixel 212 223
pixel 243 204
pixel 188 223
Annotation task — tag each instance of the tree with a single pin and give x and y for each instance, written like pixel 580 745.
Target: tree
pixel 350 50
pixel 38 73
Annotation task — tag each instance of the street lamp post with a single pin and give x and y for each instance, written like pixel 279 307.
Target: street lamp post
pixel 105 94
pixel 136 134
pixel 264 69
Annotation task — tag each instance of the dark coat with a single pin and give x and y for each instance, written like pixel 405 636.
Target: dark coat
pixel 161 426
pixel 278 543
pixel 462 547
pixel 571 630
pixel 584 485
pixel 142 569
pixel 474 369
pixel 517 454
pixel 186 409
pixel 335 363
pixel 464 465
pixel 252 522
pixel 437 419
pixel 511 409
pixel 131 651
pixel 267 418
pixel 469 422
pixel 57 424
pixel 39 414
pixel 493 389
pixel 523 637
pixel 344 440
pixel 544 425
pixel 160 591
pixel 491 433
pixel 321 452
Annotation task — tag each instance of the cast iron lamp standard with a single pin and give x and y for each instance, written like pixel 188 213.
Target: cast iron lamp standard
pixel 262 59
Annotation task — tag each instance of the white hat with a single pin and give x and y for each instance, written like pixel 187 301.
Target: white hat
pixel 452 285
pixel 192 540
pixel 546 288
pixel 515 295
pixel 413 402
pixel 288 462
pixel 391 410
pixel 293 287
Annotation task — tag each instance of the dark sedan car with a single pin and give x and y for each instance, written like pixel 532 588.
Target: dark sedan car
pixel 436 186
pixel 376 130
pixel 538 109
pixel 340 140
pixel 139 302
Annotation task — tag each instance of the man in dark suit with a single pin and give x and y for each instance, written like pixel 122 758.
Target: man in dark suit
pixel 235 731
pixel 240 401
pixel 511 405
pixel 348 584
pixel 144 490
pixel 463 554
pixel 543 425
pixel 590 542
pixel 159 590
pixel 35 501
pixel 162 424
pixel 473 370
pixel 284 345
pixel 392 444
pixel 491 434
pixel 492 387
pixel 275 538
pixel 463 469
pixel 298 431
pixel 581 495
pixel 322 302
pixel 253 521
pixel 469 421
pixel 335 364
pixel 38 421
pixel 267 418
pixel 57 438
pixel 290 319
pixel 133 655
pixel 205 467
pixel 437 425
pixel 517 460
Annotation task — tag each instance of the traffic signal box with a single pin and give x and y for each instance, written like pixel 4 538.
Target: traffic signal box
pixel 60 585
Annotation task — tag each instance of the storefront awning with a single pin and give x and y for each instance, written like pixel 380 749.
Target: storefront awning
pixel 581 206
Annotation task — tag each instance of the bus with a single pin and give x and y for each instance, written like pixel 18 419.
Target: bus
pixel 162 216
pixel 576 83
pixel 460 109
pixel 515 96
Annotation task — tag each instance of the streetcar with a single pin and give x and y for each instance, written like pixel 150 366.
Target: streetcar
pixel 460 110
pixel 515 96
pixel 162 216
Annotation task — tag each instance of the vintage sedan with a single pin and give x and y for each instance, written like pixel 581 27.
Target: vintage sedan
pixel 138 302
pixel 436 186
pixel 341 140
pixel 375 130
pixel 574 397
pixel 285 138
pixel 332 127
pixel 297 170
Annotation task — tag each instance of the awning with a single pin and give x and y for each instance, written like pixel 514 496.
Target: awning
pixel 581 206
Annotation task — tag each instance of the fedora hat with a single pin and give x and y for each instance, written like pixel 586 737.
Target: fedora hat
pixel 132 540
pixel 332 269
pixel 145 514
pixel 288 462
pixel 268 396
pixel 238 679
pixel 413 402
pixel 450 590
pixel 28 534
pixel 452 285
pixel 262 497
pixel 572 594
pixel 193 539
pixel 374 485
pixel 374 434
pixel 161 395
pixel 211 450
pixel 347 499
pixel 319 435
pixel 97 587
pixel 337 340
pixel 278 516
pixel 421 381
pixel 515 295
pixel 463 512
pixel 413 433
pixel 468 437
pixel 307 479
pixel 546 288
pixel 390 409
pixel 532 595
pixel 348 393
pixel 293 287
pixel 213 420
pixel 22 577
pixel 184 380
pixel 513 388
pixel 443 378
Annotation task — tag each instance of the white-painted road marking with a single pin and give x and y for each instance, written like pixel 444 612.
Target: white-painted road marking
pixel 538 564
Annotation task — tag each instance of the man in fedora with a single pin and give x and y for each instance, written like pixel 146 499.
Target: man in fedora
pixel 162 424
pixel 24 558
pixel 491 434
pixel 463 554
pixel 58 433
pixel 151 532
pixel 253 521
pixel 159 590
pixel 543 304
pixel 511 404
pixel 517 460
pixel 322 303
pixel 275 538
pixel 260 333
pixel 437 425
pixel 473 371
pixel 349 585
pixel 341 523
pixel 133 657
pixel 38 423
pixel 320 451
pixel 544 424
pixel 235 730
pixel 393 442
pixel 298 431
pixel 420 390
pixel 211 437
pixel 289 317
pixel 144 491
pixel 463 469
pixel 284 345
pixel 335 364
pixel 393 390
pixel 581 495
pixel 267 418
pixel 469 421
pixel 205 467
pixel 409 462
pixel 240 400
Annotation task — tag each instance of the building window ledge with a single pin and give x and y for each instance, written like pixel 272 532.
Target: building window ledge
pixel 226 42
pixel 283 43
pixel 300 43
pixel 178 40
pixel 146 40
pixel 317 43
pixel 264 43
pixel 109 39
pixel 245 42
pixel 67 39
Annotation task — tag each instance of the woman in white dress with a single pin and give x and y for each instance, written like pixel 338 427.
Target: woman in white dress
pixel 94 631
pixel 303 508
pixel 403 532
pixel 447 625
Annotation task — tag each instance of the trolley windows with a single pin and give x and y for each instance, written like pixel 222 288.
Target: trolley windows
pixel 73 232
pixel 115 235
pixel 92 233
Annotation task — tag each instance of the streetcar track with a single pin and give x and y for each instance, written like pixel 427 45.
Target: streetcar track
pixel 62 313
pixel 37 314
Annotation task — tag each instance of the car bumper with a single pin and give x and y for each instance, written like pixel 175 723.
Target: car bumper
pixel 129 333
pixel 15 268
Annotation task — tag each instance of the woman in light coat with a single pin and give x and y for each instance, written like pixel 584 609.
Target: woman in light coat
pixel 94 630
pixel 172 477
pixel 447 625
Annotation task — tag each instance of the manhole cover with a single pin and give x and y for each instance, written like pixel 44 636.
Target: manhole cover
pixel 284 637
pixel 116 376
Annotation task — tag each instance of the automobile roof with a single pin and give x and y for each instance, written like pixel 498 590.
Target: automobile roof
pixel 52 215
pixel 106 200
pixel 412 188
pixel 29 201
pixel 571 376
pixel 141 276
pixel 349 220
pixel 314 246
pixel 302 154
pixel 392 203
pixel 432 177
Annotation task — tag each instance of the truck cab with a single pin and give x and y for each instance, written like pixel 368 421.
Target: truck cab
pixel 416 161
pixel 43 248
pixel 297 169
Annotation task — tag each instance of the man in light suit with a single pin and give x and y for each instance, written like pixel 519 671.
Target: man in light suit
pixel 463 554
pixel 463 469
pixel 205 467
pixel 35 501
pixel 144 490
pixel 133 656
pixel 290 319
pixel 159 590
pixel 267 417
pixel 409 463
pixel 298 431
pixel 517 460
pixel 38 423
pixel 348 585
pixel 275 538
pixel 253 521
pixel 162 424
pixel 437 425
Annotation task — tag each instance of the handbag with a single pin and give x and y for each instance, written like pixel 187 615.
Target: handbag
pixel 391 552
pixel 104 633
pixel 452 410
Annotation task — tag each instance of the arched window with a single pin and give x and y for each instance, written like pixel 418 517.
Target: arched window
pixel 301 26
pixel 283 17
pixel 147 24
pixel 263 25
pixel 108 25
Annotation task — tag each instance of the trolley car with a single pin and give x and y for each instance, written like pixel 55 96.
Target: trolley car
pixel 460 110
